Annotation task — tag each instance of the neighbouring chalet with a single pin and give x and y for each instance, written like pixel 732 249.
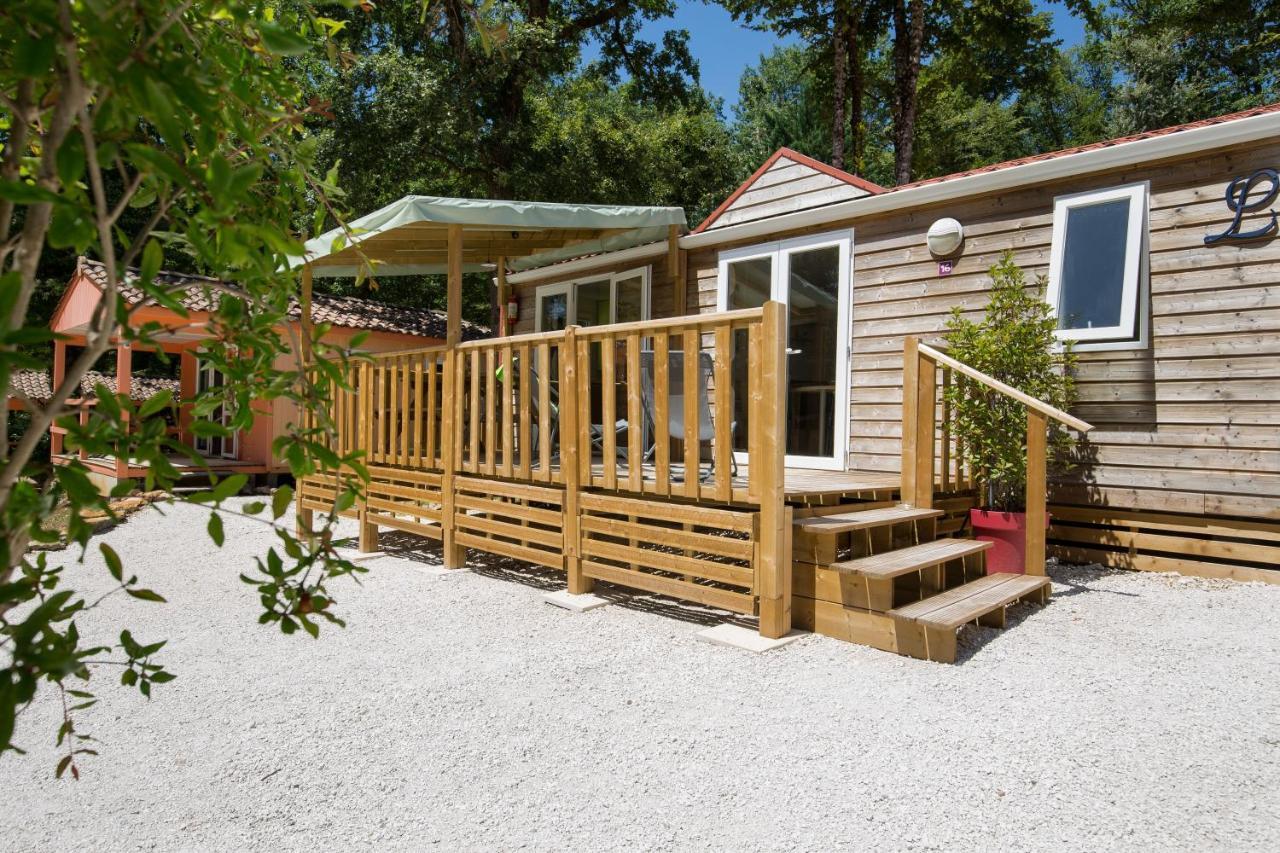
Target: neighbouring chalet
pixel 388 327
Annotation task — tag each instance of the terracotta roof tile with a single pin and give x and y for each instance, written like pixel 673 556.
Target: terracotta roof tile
pixel 36 385
pixel 346 311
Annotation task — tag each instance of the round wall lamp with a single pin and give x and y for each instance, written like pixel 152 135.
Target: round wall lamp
pixel 945 237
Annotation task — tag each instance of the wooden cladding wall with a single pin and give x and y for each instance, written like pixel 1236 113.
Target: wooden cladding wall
pixel 1191 424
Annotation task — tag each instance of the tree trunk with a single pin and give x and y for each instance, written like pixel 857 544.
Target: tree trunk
pixel 908 39
pixel 856 86
pixel 839 74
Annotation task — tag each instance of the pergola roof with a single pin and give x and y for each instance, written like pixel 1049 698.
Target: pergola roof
pixel 410 236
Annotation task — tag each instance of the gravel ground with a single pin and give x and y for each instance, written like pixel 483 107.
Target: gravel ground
pixel 459 710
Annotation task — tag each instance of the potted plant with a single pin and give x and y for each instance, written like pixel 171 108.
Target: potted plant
pixel 1015 343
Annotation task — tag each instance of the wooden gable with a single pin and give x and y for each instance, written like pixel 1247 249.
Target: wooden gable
pixel 788 181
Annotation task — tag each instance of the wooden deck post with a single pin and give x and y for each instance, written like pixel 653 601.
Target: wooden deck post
pixel 1037 437
pixel 124 385
pixel 59 373
pixel 773 574
pixel 570 452
pixel 453 301
pixel 455 556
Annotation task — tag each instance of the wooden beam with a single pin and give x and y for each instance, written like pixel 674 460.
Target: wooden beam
pixel 454 303
pixel 502 297
pixel 306 314
pixel 675 269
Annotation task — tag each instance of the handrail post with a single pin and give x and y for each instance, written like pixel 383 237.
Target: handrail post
pixel 455 556
pixel 578 584
pixel 773 575
pixel 1037 486
pixel 926 429
pixel 910 395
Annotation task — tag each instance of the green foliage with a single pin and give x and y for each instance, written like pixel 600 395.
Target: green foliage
pixel 1014 342
pixel 1182 60
pixel 782 102
pixel 141 132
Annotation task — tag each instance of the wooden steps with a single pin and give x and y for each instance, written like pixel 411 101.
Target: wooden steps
pixel 927 629
pixel 864 519
pixel 971 601
pixel 911 559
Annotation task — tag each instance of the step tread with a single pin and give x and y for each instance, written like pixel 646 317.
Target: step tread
pixel 903 560
pixel 862 519
pixel 962 604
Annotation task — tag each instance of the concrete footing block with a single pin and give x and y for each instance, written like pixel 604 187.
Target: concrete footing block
pixel 354 556
pixel 576 603
pixel 737 637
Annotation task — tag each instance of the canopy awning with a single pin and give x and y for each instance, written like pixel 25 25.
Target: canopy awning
pixel 411 236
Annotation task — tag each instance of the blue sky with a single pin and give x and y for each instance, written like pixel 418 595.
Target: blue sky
pixel 724 48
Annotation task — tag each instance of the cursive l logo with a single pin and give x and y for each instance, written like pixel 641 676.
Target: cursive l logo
pixel 1238 193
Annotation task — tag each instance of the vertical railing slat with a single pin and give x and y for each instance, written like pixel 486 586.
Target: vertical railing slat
pixel 692 343
pixel 432 381
pixel 661 409
pixel 490 411
pixel 721 445
pixel 526 438
pixel 508 402
pixel 473 403
pixel 583 414
pixel 609 411
pixel 545 414
pixel 635 418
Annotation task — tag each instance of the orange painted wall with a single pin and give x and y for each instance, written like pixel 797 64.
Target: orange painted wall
pixel 271 418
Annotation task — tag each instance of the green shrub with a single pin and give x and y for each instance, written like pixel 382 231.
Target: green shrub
pixel 1015 343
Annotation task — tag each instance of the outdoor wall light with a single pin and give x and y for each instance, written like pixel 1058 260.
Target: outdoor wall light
pixel 945 237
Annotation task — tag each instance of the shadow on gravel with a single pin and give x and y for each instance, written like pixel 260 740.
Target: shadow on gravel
pixel 1071 580
pixel 973 637
pixel 420 549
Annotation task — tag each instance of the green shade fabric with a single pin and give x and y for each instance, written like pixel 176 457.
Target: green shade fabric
pixel 492 229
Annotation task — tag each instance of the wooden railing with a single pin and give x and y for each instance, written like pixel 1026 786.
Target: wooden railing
pixel 599 408
pixel 932 454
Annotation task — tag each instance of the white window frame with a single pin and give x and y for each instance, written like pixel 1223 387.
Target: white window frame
pixel 570 290
pixel 780 253
pixel 1131 332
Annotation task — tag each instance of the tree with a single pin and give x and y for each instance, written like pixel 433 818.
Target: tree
pixel 781 103
pixel 485 101
pixel 138 131
pixel 1182 60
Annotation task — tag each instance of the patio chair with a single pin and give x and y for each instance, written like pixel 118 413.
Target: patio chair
pixel 596 430
pixel 675 426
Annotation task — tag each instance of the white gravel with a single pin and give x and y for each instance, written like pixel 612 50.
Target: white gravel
pixel 459 710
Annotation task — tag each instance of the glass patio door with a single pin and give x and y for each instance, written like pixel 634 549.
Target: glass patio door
pixel 208 377
pixel 811 276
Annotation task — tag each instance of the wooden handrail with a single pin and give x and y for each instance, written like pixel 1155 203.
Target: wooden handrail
pixel 1008 390
pixel 920 423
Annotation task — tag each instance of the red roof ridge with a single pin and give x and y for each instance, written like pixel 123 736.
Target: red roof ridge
pixel 1093 146
pixel 802 159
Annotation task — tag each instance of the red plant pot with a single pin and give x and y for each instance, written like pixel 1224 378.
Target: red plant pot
pixel 1007 533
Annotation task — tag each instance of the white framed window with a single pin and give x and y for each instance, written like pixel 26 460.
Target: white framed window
pixel 813 277
pixel 1098 267
pixel 595 300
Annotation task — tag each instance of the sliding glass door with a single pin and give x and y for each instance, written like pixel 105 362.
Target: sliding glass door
pixel 811 276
